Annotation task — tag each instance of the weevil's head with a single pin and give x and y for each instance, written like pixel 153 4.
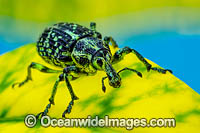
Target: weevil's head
pixel 102 61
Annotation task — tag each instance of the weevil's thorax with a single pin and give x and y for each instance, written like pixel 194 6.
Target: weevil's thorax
pixel 84 52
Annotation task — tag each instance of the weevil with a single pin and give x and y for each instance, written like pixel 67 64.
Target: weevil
pixel 79 50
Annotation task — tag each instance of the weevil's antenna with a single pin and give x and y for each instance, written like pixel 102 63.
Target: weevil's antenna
pixel 126 68
pixel 133 70
pixel 103 86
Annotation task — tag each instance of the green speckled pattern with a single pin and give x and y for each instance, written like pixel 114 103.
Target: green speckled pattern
pixel 57 42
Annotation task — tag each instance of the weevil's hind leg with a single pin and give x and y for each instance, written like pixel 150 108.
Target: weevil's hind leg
pixel 93 26
pixel 51 99
pixel 66 72
pixel 108 39
pixel 37 66
pixel 119 55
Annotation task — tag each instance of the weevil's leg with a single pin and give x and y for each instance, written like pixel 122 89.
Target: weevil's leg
pixel 37 66
pixel 93 26
pixel 108 39
pixel 51 99
pixel 160 70
pixel 130 69
pixel 66 72
pixel 119 55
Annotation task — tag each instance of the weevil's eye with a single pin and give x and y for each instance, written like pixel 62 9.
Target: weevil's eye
pixel 99 62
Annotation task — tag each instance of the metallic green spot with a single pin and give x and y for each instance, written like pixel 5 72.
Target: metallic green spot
pixel 64 53
pixel 56 44
pixel 57 50
pixel 47 45
pixel 49 50
pixel 53 34
pixel 60 47
pixel 55 39
pixel 41 49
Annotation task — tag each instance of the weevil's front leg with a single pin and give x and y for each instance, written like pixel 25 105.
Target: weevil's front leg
pixel 51 99
pixel 66 72
pixel 119 55
pixel 103 86
pixel 37 66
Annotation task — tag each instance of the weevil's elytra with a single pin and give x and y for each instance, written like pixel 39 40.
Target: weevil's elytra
pixel 80 51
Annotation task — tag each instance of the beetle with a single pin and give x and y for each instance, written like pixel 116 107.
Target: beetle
pixel 80 51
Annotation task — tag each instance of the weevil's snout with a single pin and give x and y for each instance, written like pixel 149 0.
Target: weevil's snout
pixel 115 81
pixel 113 76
